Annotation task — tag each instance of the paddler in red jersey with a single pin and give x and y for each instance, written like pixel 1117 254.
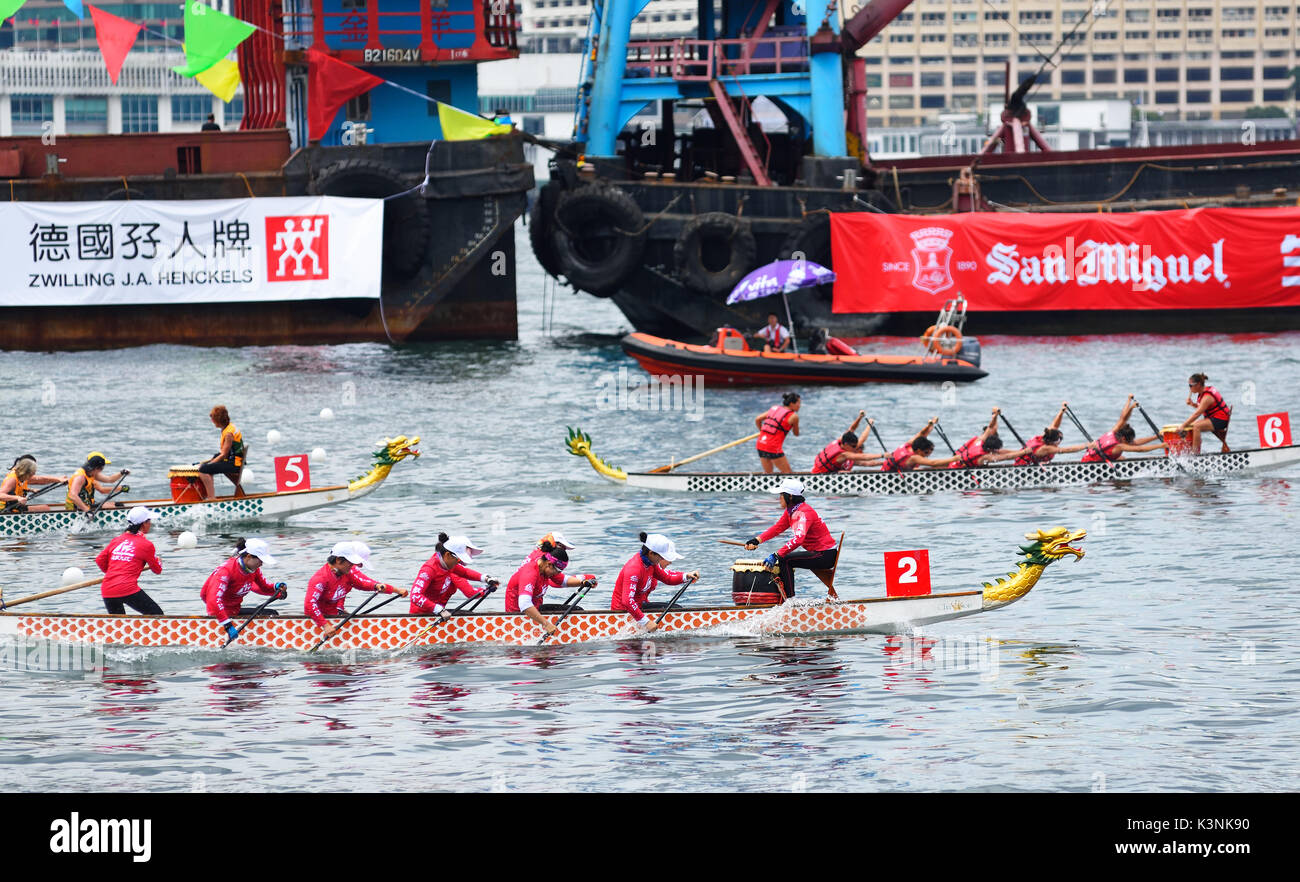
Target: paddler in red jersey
pixel 445 573
pixel 915 453
pixel 806 531
pixel 1121 439
pixel 328 589
pixel 773 426
pixel 1211 415
pixel 984 449
pixel 123 560
pixel 846 452
pixel 642 574
pixel 527 587
pixel 224 591
pixel 1042 448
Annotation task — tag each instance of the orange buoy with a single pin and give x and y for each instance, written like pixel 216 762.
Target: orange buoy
pixel 936 337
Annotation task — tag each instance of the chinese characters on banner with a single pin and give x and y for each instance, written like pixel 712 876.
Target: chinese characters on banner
pixel 201 251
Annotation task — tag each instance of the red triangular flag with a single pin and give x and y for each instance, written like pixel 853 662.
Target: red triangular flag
pixel 331 84
pixel 115 36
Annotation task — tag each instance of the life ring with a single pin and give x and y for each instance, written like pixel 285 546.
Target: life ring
pixel 541 227
pixel 934 337
pixel 598 237
pixel 714 251
pixel 406 220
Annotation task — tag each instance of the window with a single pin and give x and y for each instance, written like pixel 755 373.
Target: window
pixel 1137 35
pixel 994 77
pixel 1237 73
pixel 1198 96
pixel 900 81
pixel 86 114
pixel 900 101
pixel 1105 35
pixel 900 38
pixel 190 108
pixel 139 113
pixel 996 15
pixel 1169 35
pixel 1276 73
pixel 1135 75
pixel 1138 15
pixel 358 108
pixel 1239 13
pixel 1238 33
pixel 1169 13
pixel 997 39
pixel 29 112
pixel 934 38
pixel 1170 97
pixel 932 79
pixel 965 39
pixel 1203 14
pixel 1103 76
pixel 932 101
pixel 234 113
pixel 1071 77
pixel 1198 74
pixel 873 81
pixel 1166 75
pixel 1237 96
pixel 1276 95
pixel 1036 37
pixel 1277 32
pixel 963 78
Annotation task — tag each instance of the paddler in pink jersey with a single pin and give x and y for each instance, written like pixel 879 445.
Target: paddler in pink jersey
pixel 223 592
pixel 329 587
pixel 445 573
pixel 642 574
pixel 527 587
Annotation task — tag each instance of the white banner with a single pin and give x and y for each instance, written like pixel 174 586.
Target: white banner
pixel 190 251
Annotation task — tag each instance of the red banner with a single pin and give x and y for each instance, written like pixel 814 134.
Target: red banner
pixel 1205 258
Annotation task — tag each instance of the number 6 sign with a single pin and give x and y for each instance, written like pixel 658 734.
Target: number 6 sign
pixel 1274 429
pixel 292 473
pixel 907 573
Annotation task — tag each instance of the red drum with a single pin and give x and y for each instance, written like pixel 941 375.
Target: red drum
pixel 1178 441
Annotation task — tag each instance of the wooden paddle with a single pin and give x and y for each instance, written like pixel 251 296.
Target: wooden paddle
pixel 475 600
pixel 668 468
pixel 872 425
pixel 732 542
pixel 944 435
pixel 1019 440
pixel 46 489
pixel 5 604
pixel 577 598
pixel 248 621
pixel 676 597
pixel 1079 425
pixel 112 491
pixel 353 615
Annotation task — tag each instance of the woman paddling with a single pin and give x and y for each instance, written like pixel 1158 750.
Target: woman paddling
pixel 1121 439
pixel 773 425
pixel 642 574
pixel 224 590
pixel 122 561
pixel 329 587
pixel 984 449
pixel 87 479
pixel 14 487
pixel 1042 448
pixel 806 531
pixel 915 453
pixel 229 460
pixel 527 587
pixel 445 573
pixel 846 452
pixel 1211 415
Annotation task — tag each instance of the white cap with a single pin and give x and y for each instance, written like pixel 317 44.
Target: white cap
pixel 557 538
pixel 259 549
pixel 364 550
pixel 350 552
pixel 662 546
pixel 139 515
pixel 793 486
pixel 464 549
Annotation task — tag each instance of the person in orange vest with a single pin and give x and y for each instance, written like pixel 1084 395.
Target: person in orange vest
pixel 1121 439
pixel 229 460
pixel 1042 448
pixel 984 449
pixel 773 425
pixel 915 453
pixel 1211 415
pixel 846 452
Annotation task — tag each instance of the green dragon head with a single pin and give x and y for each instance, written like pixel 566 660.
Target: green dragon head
pixel 396 449
pixel 579 444
pixel 1051 545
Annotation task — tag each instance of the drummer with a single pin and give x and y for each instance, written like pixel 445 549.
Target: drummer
pixel 642 574
pixel 806 531
pixel 13 489
pixel 527 587
pixel 843 454
pixel 229 460
pixel 1121 439
pixel 328 588
pixel 775 336
pixel 123 560
pixel 445 573
pixel 773 425
pixel 915 453
pixel 1212 413
pixel 89 478
pixel 224 590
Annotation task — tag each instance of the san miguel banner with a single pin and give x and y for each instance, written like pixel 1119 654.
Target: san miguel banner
pixel 1205 258
pixel 199 251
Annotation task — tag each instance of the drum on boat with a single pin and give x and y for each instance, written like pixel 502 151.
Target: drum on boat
pixel 754 584
pixel 187 484
pixel 1178 441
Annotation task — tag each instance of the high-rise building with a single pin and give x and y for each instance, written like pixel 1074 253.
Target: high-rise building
pixel 561 25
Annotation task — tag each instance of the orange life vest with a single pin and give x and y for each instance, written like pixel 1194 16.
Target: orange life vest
pixel 1220 409
pixel 1102 452
pixel 1031 457
pixel 897 461
pixel 825 461
pixel 968 455
pixel 776 424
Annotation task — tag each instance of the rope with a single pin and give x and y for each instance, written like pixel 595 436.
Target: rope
pixel 1131 181
pixel 565 230
pixel 127 188
pixel 251 194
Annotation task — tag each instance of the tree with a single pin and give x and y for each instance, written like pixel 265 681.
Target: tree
pixel 1270 112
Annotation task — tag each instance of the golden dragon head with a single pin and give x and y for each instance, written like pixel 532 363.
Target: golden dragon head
pixel 396 450
pixel 579 444
pixel 1047 546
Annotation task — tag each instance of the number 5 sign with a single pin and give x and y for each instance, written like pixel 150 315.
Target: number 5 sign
pixel 907 573
pixel 1274 430
pixel 292 473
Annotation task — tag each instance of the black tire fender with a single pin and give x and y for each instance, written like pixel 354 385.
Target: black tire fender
pixel 407 225
pixel 599 237
pixel 698 249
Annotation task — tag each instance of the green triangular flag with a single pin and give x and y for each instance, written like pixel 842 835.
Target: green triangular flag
pixel 9 7
pixel 210 35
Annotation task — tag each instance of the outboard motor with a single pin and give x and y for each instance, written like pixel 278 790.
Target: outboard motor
pixel 970 350
pixel 817 345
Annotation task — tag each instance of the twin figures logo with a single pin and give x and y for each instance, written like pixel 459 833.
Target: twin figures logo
pixel 297 248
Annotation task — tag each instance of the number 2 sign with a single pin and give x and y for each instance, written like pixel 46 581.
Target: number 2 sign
pixel 907 573
pixel 1274 429
pixel 292 473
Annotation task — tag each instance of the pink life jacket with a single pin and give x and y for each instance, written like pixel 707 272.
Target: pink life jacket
pixel 1102 452
pixel 1031 457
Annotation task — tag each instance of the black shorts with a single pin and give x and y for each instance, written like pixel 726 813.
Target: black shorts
pixel 224 467
pixel 763 454
pixel 1219 425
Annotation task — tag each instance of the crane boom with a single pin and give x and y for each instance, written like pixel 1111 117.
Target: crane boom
pixel 869 21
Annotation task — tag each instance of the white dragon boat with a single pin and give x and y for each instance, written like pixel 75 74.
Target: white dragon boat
pixel 220 509
pixel 797 616
pixel 864 482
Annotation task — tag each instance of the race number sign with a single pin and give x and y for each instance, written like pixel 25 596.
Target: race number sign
pixel 228 251
pixel 1274 429
pixel 907 573
pixel 292 473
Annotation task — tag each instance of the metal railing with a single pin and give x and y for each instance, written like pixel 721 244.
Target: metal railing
pixel 705 60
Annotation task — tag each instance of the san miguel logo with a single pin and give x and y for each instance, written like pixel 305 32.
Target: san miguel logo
pixel 930 258
pixel 298 248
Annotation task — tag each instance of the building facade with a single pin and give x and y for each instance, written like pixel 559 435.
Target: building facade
pixel 561 25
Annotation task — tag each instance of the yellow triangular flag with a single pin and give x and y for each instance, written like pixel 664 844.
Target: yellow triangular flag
pixel 222 79
pixel 459 125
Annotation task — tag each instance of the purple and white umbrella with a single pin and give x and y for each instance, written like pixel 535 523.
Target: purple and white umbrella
pixel 781 277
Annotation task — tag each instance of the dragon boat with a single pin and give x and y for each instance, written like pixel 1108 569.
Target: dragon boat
pixel 885 615
pixel 870 482
pixel 252 507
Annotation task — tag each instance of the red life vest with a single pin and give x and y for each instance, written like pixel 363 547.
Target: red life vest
pixel 1220 410
pixel 1102 452
pixel 968 455
pixel 897 461
pixel 825 461
pixel 775 425
pixel 1031 457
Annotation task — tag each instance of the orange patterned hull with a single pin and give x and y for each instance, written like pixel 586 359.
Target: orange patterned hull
pixel 883 616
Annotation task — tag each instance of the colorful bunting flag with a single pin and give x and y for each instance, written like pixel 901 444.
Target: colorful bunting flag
pixel 331 84
pixel 210 35
pixel 115 36
pixel 460 125
pixel 75 7
pixel 9 7
pixel 222 79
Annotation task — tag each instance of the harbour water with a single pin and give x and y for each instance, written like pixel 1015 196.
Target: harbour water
pixel 1166 659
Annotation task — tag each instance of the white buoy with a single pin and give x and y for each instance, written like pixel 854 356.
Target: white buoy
pixel 273 437
pixel 326 413
pixel 73 574
pixel 318 454
pixel 187 540
pixel 247 477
